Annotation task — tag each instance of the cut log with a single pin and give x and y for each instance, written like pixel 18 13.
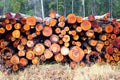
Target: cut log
pixel 79 19
pixel 35 61
pixel 15 67
pixel 8 27
pixel 55 48
pixel 2 30
pixel 61 18
pixel 16 33
pixel 26 27
pixel 71 18
pixel 17 26
pixel 14 59
pixel 39 49
pixel 21 53
pixel 64 51
pixel 39 27
pixel 31 20
pixel 48 54
pixel 108 28
pixel 58 57
pixel 66 38
pixel 20 47
pixel 47 31
pixel 76 54
pixel 28 39
pixel 61 24
pixel 86 25
pixel 23 62
pixel 30 55
pixel 52 22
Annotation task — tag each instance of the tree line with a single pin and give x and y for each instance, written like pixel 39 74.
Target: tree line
pixel 63 7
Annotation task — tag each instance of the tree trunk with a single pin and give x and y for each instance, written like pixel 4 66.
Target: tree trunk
pixel 42 6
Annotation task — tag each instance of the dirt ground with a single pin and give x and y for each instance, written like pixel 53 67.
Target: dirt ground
pixel 64 72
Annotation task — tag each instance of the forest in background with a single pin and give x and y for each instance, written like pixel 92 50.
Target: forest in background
pixel 42 8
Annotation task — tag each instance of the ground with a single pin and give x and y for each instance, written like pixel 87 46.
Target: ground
pixel 64 72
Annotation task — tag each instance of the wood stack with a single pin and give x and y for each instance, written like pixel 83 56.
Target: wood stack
pixel 71 39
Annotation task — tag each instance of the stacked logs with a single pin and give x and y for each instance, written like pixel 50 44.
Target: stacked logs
pixel 71 39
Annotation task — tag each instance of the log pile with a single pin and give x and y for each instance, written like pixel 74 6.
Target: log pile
pixel 72 39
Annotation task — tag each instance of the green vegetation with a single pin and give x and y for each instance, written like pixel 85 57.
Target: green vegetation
pixel 63 7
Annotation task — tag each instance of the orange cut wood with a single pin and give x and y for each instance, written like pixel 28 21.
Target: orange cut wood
pixel 8 27
pixel 14 59
pixel 76 37
pixel 39 27
pixel 63 32
pixel 26 27
pixel 86 25
pixel 52 22
pixel 16 33
pixel 35 61
pixel 90 33
pixel 37 33
pixel 76 54
pixel 66 28
pixel 103 37
pixel 48 54
pixel 39 49
pixel 93 42
pixel 31 20
pixel 58 57
pixel 61 18
pixel 47 31
pixel 113 36
pixel 15 67
pixel 73 32
pixel 21 53
pixel 55 48
pixel 2 30
pixel 79 19
pixel 20 47
pixel 17 26
pixel 30 55
pixel 71 18
pixel 61 24
pixel 57 30
pixel 108 28
pixel 23 62
pixel 66 44
pixel 78 29
pixel 66 38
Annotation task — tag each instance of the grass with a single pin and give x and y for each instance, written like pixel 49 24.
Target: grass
pixel 60 72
